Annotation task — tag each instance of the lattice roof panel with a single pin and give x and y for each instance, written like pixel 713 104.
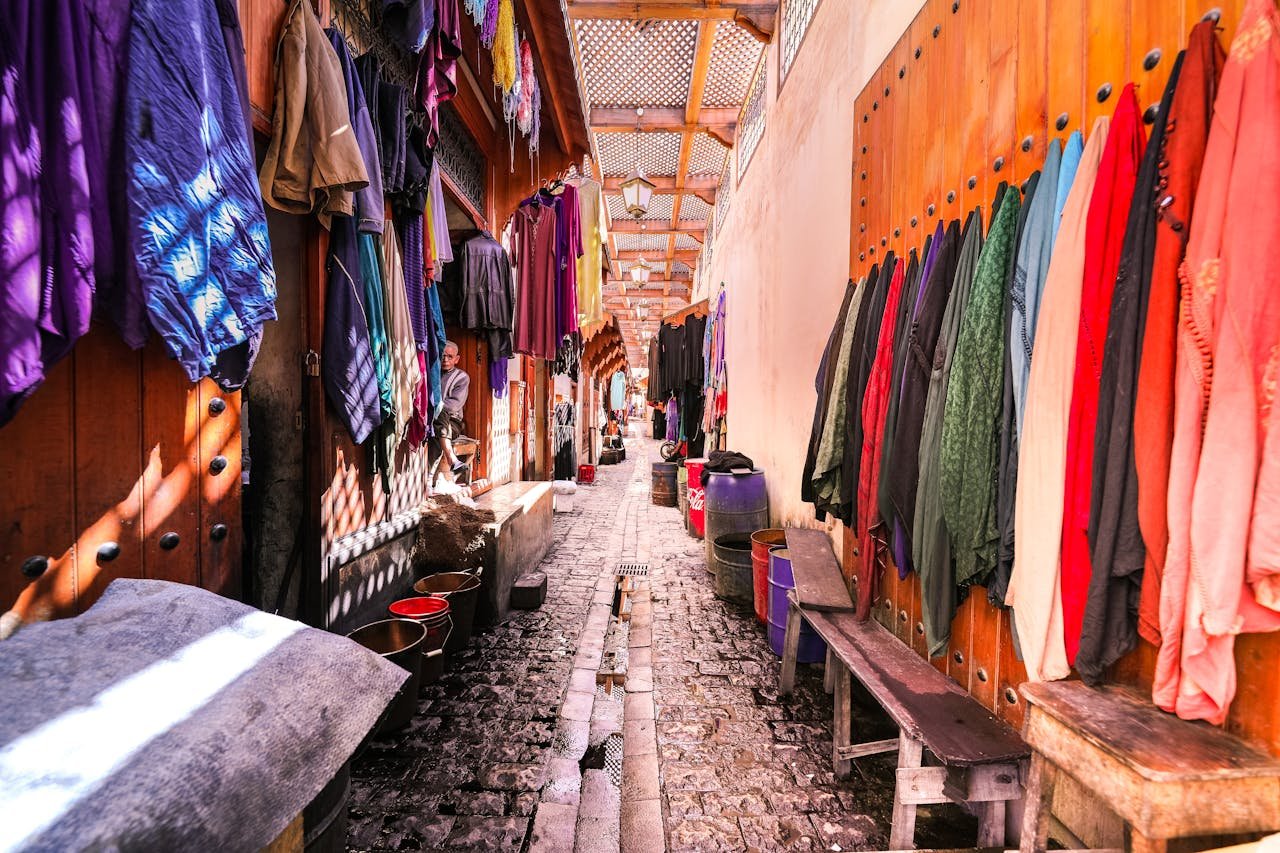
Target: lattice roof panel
pixel 707 155
pixel 629 63
pixel 657 151
pixel 684 241
pixel 659 207
pixel 693 207
pixel 734 55
pixel 680 269
pixel 642 243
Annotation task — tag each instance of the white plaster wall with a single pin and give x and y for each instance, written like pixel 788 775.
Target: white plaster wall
pixel 783 252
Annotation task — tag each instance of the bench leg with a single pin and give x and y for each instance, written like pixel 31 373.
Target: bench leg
pixel 1139 843
pixel 991 823
pixel 1039 808
pixel 902 835
pixel 829 672
pixel 790 647
pixel 841 724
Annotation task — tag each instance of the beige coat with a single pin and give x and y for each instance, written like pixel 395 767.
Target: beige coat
pixel 313 164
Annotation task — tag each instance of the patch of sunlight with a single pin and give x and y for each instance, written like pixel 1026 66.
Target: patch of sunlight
pixel 48 771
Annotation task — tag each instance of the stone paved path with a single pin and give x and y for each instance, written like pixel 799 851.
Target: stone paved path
pixel 491 762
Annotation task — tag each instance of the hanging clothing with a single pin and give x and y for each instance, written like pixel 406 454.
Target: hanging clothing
pixel 408 22
pixel 196 226
pixel 1108 212
pixel 534 240
pixel 346 354
pixel 313 163
pixel 370 202
pixel 568 253
pixel 438 220
pixel 406 375
pixel 420 428
pixel 1222 573
pixel 969 445
pixel 409 229
pixel 1189 113
pixel 822 386
pixel 392 134
pixel 1109 632
pixel 486 298
pixel 375 314
pixel 870 525
pixel 1031 268
pixel 47 245
pixel 436 341
pixel 930 543
pixel 673 420
pixel 438 65
pixel 1035 591
pixel 922 338
pixel 594 238
pixel 822 475
pixel 906 309
pixel 1007 471
pixel 866 336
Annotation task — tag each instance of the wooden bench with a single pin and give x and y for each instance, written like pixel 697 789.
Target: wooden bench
pixel 1166 778
pixel 974 758
pixel 466 449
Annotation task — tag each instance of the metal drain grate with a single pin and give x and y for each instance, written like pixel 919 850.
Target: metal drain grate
pixel 613 758
pixel 634 570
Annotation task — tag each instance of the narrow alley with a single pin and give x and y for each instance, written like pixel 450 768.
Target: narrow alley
pixel 518 747
pixel 639 426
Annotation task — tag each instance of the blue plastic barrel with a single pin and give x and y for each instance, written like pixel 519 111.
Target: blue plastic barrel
pixel 736 503
pixel 812 647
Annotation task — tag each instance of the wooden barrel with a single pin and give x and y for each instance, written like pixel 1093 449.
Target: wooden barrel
pixel 664 484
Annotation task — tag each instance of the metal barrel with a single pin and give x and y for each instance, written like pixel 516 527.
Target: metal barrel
pixel 663 492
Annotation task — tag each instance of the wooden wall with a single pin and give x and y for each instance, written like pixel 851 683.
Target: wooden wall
pixel 971 96
pixel 117 445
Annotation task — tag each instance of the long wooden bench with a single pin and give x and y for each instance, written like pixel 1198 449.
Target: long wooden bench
pixel 972 757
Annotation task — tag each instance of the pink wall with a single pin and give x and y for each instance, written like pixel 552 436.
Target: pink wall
pixel 783 252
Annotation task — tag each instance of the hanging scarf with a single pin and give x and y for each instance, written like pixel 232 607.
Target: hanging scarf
pixel 489 29
pixel 477 9
pixel 504 48
pixel 524 107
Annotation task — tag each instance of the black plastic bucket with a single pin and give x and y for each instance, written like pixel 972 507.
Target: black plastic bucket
pixel 461 589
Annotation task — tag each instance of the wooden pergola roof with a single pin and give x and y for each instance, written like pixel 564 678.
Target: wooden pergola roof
pixel 663 85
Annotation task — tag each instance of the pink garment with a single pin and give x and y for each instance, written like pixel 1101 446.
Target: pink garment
pixel 875 403
pixel 1220 483
pixel 1034 590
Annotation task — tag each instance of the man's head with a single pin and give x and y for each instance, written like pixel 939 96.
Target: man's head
pixel 449 358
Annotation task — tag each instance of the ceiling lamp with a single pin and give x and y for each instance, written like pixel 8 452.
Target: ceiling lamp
pixel 640 272
pixel 637 189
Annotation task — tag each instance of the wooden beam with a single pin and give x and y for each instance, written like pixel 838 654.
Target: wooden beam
pixel 701 64
pixel 758 17
pixel 696 227
pixel 702 185
pixel 689 256
pixel 625 120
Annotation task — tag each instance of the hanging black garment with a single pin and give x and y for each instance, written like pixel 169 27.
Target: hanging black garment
pixel 822 387
pixel 866 336
pixel 1007 475
pixel 911 287
pixel 1110 624
pixel 902 472
pixel 654 394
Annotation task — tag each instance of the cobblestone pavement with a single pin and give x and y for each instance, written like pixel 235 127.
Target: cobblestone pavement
pixel 740 767
pixel 467 773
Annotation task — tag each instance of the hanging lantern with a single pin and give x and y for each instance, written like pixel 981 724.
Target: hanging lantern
pixel 637 190
pixel 640 272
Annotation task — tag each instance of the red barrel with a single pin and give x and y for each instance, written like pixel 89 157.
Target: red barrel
pixel 761 542
pixel 697 497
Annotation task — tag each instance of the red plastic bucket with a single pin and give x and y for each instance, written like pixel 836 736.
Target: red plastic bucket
pixel 697 497
pixel 761 542
pixel 433 612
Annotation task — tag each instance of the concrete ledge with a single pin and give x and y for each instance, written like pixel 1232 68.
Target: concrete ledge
pixel 517 540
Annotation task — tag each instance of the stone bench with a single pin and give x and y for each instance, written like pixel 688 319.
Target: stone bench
pixel 974 758
pixel 516 542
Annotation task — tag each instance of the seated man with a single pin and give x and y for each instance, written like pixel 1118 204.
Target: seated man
pixel 454 385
